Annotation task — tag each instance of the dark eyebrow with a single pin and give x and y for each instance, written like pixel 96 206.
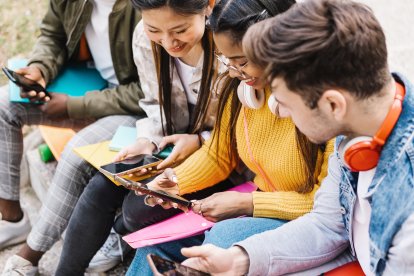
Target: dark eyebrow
pixel 236 57
pixel 176 27
pixel 232 57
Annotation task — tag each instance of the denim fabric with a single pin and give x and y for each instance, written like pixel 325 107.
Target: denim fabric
pixel 391 191
pixel 227 232
pixel 308 242
pixel 90 224
pixel 223 234
pixel 168 250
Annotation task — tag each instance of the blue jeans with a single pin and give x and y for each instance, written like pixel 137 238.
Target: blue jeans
pixel 241 228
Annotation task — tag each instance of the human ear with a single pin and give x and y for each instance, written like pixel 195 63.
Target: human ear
pixel 334 104
pixel 210 7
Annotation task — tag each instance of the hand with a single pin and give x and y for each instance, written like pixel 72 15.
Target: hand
pixel 224 205
pixel 184 146
pixel 57 106
pixel 167 182
pixel 217 261
pixel 33 72
pixel 141 146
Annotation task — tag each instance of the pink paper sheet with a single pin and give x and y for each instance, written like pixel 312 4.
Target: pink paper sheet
pixel 177 227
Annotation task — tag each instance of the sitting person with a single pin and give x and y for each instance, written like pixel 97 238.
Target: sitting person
pixel 327 62
pixel 92 36
pixel 288 168
pixel 172 34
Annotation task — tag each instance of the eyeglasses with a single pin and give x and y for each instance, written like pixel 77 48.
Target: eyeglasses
pixel 226 63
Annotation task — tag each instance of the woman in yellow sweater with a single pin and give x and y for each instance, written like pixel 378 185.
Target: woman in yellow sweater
pixel 288 168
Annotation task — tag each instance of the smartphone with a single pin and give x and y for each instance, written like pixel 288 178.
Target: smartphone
pixel 23 82
pixel 165 152
pixel 131 165
pixel 142 188
pixel 161 266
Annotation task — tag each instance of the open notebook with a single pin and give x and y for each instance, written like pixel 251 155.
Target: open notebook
pixel 177 227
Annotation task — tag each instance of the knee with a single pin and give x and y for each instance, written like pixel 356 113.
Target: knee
pixel 98 190
pixel 219 235
pixel 8 111
pixel 75 142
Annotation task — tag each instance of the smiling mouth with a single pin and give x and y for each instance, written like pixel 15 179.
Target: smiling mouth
pixel 250 81
pixel 177 49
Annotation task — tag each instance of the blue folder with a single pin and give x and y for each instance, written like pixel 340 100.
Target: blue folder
pixel 74 80
pixel 124 136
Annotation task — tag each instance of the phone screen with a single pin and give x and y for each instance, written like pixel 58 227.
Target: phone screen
pixel 132 163
pixel 25 83
pixel 166 267
pixel 165 152
pixel 142 188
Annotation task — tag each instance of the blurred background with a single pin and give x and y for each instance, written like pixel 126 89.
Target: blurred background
pixel 19 27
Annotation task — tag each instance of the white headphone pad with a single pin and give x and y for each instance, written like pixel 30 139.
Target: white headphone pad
pixel 250 97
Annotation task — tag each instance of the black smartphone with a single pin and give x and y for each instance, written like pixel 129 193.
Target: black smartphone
pixel 131 165
pixel 161 266
pixel 23 82
pixel 142 188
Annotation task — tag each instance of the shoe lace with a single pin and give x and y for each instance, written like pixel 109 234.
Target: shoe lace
pixel 113 240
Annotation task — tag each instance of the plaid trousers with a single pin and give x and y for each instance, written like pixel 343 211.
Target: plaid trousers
pixel 72 173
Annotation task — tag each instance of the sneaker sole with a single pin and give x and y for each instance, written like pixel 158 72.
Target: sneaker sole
pixel 103 267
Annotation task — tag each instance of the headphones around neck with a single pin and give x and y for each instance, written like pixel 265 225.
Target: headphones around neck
pixel 249 97
pixel 254 99
pixel 363 153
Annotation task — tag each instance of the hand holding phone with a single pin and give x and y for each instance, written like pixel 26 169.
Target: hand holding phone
pixel 144 189
pixel 167 182
pixel 28 85
pixel 165 152
pixel 161 266
pixel 131 165
pixel 184 145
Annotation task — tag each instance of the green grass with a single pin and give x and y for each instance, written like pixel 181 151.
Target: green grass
pixel 19 28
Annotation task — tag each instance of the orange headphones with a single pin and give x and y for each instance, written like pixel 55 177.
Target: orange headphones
pixel 362 153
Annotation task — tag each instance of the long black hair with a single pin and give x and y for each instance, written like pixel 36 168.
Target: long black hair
pixel 233 18
pixel 164 63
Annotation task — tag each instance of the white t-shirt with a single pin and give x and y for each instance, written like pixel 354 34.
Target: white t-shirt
pixel 97 36
pixel 186 73
pixel 400 260
pixel 362 218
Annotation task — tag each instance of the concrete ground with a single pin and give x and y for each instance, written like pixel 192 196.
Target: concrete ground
pixel 397 20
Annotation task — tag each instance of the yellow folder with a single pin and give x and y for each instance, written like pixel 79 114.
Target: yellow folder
pixel 56 138
pixel 99 154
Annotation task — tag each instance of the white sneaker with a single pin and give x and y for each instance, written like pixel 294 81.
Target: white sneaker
pixel 14 232
pixel 18 266
pixel 110 254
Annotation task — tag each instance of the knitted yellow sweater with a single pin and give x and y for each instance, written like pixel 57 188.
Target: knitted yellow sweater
pixel 274 147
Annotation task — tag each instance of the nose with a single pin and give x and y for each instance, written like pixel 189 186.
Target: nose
pixel 169 41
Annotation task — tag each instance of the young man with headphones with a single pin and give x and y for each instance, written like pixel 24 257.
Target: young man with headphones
pixel 327 62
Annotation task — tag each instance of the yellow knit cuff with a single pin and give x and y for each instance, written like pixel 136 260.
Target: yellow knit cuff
pixel 281 205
